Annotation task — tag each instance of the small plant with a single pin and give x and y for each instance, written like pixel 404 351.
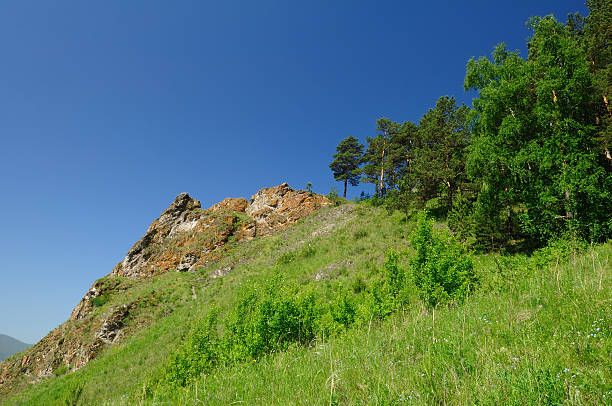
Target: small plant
pixel 309 187
pixel 359 285
pixel 267 319
pixel 100 300
pixel 74 394
pixel 441 269
pixel 198 354
pixel 286 258
pixel 358 234
pixel 308 251
pixel 61 370
pixel 343 309
pixel 334 197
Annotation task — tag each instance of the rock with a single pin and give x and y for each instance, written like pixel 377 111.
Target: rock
pixel 180 217
pixel 186 237
pixel 332 270
pixel 187 262
pixel 238 205
pixel 113 322
pixel 220 272
pixel 278 207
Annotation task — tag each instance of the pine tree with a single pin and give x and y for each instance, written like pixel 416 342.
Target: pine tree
pixel 439 152
pixel 346 162
pixel 376 158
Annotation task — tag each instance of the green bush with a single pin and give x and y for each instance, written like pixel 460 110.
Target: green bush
pixel 286 258
pixel 267 319
pixel 198 354
pixel 441 269
pixel 100 300
pixel 334 197
pixel 61 370
pixel 343 309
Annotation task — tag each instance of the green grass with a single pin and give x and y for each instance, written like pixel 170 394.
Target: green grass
pixel 537 331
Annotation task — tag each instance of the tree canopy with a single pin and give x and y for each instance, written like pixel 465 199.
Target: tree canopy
pixel 347 159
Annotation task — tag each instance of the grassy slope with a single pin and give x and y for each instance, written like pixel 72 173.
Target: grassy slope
pixel 526 337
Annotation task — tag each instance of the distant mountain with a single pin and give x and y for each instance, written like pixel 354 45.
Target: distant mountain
pixel 10 346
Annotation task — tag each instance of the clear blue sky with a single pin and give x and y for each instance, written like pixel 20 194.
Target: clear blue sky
pixel 110 109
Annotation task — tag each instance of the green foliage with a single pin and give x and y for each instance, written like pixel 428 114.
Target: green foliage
pixel 74 394
pixel 344 309
pixel 198 354
pixel 347 159
pixel 532 319
pixel 100 300
pixel 334 197
pixel 441 268
pixel 384 154
pixel 438 154
pixel 558 250
pixel 461 219
pixel 267 319
pixel 61 370
pixel 534 144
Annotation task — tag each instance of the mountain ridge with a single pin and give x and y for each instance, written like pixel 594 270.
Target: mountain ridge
pixel 10 346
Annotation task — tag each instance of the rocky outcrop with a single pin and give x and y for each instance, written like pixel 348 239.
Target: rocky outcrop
pixel 186 237
pixel 277 207
pixel 70 346
pixel 183 238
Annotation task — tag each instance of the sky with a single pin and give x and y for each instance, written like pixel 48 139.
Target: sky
pixel 110 109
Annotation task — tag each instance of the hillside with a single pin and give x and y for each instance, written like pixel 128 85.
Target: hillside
pixel 10 346
pixel 535 329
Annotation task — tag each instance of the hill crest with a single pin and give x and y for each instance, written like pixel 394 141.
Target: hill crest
pixel 185 237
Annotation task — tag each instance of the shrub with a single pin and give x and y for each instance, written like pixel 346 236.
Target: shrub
pixel 267 320
pixel 286 258
pixel 61 370
pixel 358 234
pixel 198 354
pixel 343 309
pixel 558 250
pixel 334 197
pixel 100 300
pixel 460 219
pixel 358 285
pixel 441 269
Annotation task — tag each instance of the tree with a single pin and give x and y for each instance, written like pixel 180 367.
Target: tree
pixel 594 33
pixel 347 159
pixel 376 160
pixel 398 153
pixel 439 151
pixel 534 147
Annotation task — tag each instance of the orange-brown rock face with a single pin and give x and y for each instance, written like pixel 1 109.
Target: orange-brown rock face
pixel 238 205
pixel 278 207
pixel 183 238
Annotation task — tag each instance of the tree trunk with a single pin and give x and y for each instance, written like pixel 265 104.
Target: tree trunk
pixel 568 213
pixel 606 150
pixel 344 195
pixel 382 170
